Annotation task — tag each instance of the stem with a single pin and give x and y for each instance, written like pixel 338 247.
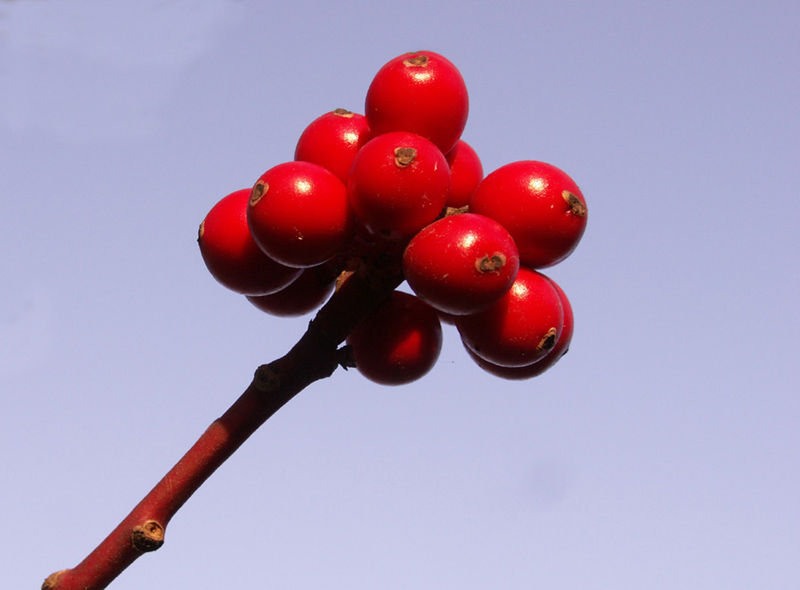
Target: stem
pixel 315 356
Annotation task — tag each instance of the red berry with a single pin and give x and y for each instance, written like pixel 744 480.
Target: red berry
pixel 422 93
pixel 461 264
pixel 398 342
pixel 398 184
pixel 232 256
pixel 562 346
pixel 521 328
pixel 540 206
pixel 333 140
pixel 299 214
pixel 466 172
pixel 305 294
pixel 550 359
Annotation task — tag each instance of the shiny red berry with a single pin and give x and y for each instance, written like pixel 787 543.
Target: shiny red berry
pixel 232 256
pixel 333 140
pixel 299 214
pixel 302 296
pixel 461 264
pixel 398 184
pixel 551 358
pixel 540 206
pixel 466 172
pixel 398 342
pixel 521 328
pixel 420 92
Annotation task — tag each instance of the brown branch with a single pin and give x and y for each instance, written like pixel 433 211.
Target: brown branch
pixel 315 356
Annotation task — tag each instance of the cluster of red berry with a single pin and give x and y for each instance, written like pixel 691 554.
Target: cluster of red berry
pixel 400 181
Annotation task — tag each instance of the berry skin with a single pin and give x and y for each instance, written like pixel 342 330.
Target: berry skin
pixel 540 206
pixel 232 256
pixel 521 328
pixel 302 296
pixel 333 140
pixel 299 214
pixel 466 172
pixel 420 92
pixel 397 342
pixel 398 184
pixel 461 264
pixel 562 346
pixel 551 358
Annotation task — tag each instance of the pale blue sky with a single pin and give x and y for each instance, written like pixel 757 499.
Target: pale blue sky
pixel 663 452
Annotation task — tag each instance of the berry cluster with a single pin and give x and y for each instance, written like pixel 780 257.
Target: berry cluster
pixel 400 182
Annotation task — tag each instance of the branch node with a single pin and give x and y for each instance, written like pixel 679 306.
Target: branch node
pixel 266 379
pixel 148 536
pixel 345 358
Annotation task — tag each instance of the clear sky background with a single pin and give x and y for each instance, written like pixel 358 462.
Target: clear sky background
pixel 663 452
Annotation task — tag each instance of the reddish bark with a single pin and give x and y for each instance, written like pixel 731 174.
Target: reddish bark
pixel 315 356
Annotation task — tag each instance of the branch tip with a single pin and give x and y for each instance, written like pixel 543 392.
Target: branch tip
pixel 52 580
